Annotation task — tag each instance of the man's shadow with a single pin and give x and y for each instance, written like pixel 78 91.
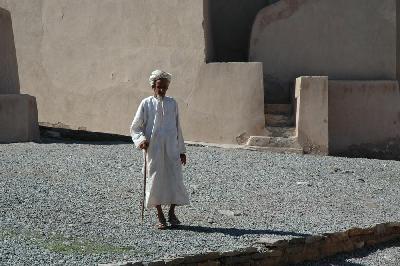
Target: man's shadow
pixel 236 231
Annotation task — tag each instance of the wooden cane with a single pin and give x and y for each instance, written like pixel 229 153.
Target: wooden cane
pixel 144 183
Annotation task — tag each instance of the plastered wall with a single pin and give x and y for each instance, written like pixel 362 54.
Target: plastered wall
pixel 342 39
pixel 87 63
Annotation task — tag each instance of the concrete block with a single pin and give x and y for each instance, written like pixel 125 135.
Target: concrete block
pixel 284 132
pixel 263 141
pixel 312 113
pixel 226 103
pixel 364 118
pixel 18 118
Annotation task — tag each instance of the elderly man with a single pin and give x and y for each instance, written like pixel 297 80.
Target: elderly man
pixel 156 129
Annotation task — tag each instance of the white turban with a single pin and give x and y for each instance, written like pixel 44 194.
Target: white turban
pixel 159 74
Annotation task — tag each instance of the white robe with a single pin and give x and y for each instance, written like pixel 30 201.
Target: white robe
pixel 157 121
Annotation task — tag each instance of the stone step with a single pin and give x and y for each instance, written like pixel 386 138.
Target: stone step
pixel 278 142
pixel 272 120
pixel 278 109
pixel 284 132
pixel 276 149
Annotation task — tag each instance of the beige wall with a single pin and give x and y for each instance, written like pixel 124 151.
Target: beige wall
pixel 227 102
pixel 364 118
pixel 18 118
pixel 312 114
pixel 87 62
pixel 342 39
pixel 9 83
pixel 351 118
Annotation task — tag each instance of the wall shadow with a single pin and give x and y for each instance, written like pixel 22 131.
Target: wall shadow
pixel 228 25
pixel 50 135
pixel 9 79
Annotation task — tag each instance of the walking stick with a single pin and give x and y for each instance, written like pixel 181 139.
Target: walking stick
pixel 144 183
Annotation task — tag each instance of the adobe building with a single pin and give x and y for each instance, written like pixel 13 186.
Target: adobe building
pixel 312 75
pixel 352 104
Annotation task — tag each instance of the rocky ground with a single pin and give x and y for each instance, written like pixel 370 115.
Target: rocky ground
pixel 79 203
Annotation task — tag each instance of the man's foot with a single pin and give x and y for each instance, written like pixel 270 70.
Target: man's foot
pixel 173 220
pixel 162 224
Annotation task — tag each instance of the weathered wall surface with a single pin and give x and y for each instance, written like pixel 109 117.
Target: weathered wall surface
pixel 342 39
pixel 364 118
pixel 87 62
pixel 9 82
pixel 312 114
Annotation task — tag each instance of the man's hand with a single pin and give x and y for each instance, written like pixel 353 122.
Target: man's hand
pixel 183 158
pixel 144 145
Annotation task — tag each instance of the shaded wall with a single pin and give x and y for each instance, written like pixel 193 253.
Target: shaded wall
pixel 231 26
pixel 208 36
pixel 398 38
pixel 18 113
pixel 18 118
pixel 9 82
pixel 342 39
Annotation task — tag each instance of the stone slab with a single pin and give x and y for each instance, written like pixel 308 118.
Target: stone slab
pixel 364 118
pixel 312 113
pixel 227 102
pixel 279 142
pixel 18 118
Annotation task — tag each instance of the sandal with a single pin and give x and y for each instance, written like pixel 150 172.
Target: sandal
pixel 162 225
pixel 173 220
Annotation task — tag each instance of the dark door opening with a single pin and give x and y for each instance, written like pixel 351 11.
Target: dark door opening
pixel 229 24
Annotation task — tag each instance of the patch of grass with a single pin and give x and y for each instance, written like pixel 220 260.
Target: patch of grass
pixel 60 244
pixel 13 233
pixel 7 233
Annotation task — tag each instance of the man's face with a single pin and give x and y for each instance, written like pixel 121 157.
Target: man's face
pixel 160 87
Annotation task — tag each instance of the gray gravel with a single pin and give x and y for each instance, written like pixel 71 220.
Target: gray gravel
pixel 79 203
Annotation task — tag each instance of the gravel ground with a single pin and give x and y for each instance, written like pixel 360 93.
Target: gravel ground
pixel 79 203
